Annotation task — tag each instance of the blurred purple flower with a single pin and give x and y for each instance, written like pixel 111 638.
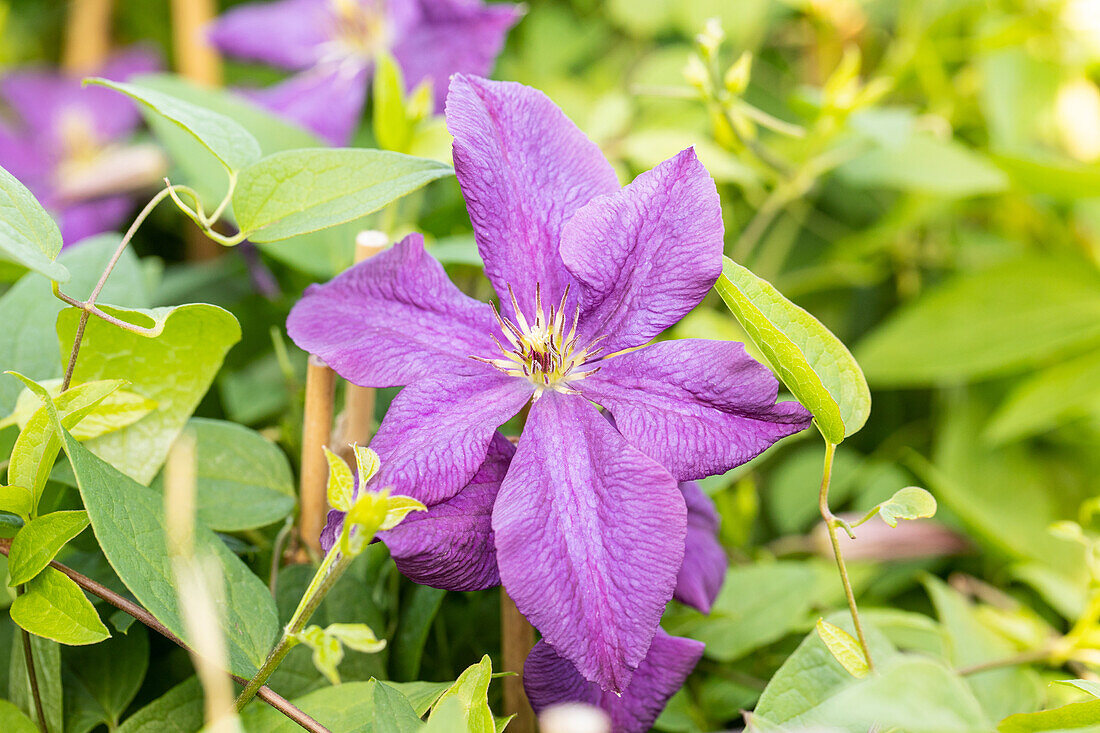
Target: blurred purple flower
pixel 334 43
pixel 589 524
pixel 64 143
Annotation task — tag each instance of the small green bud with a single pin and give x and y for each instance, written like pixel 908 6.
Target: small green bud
pixel 738 75
pixel 710 40
pixel 697 75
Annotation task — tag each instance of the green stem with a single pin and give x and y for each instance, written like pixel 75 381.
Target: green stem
pixel 831 523
pixel 332 567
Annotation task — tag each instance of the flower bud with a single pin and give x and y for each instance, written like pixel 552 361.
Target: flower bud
pixel 737 76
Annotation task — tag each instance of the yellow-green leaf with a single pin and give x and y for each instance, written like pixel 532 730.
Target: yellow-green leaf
pixel 908 503
pixel 844 648
pixel 39 541
pixel 341 485
pixel 54 607
pixel 816 367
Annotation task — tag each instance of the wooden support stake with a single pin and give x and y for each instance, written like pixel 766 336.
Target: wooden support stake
pixel 357 421
pixel 87 36
pixel 517 636
pixel 316 433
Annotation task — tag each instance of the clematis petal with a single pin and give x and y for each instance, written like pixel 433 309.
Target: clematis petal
pixel 646 255
pixel 589 557
pixel 286 33
pixel 549 679
pixel 326 100
pixel 437 431
pixel 393 319
pixel 697 407
pixel 705 561
pixel 453 37
pixel 450 546
pixel 334 525
pixel 86 219
pixel 524 169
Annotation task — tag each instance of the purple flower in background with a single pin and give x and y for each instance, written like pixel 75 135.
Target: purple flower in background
pixel 64 143
pixel 589 523
pixel 334 43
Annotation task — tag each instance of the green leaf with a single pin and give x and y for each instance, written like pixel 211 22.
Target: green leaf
pixel 128 521
pixel 421 695
pixel 970 642
pixel 28 236
pixel 327 652
pixel 909 693
pixel 37 446
pixel 47 662
pixel 199 167
pixel 1090 686
pixel 362 707
pixel 811 675
pixel 243 480
pixel 29 311
pixel 844 648
pixel 180 710
pixel 191 343
pixel 1061 392
pixel 389 119
pixel 39 542
pixel 908 503
pixel 116 411
pixel 758 604
pixel 470 691
pixel 413 626
pixel 17 500
pixel 359 637
pixel 102 680
pixel 233 145
pixel 341 484
pixel 12 719
pixel 926 164
pixel 976 325
pixel 299 191
pixel 1078 715
pixel 54 607
pixel 816 367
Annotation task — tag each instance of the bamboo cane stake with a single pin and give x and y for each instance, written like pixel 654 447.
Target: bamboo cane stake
pixel 517 636
pixel 356 424
pixel 87 36
pixel 316 433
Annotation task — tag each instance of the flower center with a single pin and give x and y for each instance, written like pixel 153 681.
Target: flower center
pixel 359 28
pixel 541 350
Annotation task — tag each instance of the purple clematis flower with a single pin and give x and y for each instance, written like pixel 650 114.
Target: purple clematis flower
pixel 64 143
pixel 589 524
pixel 551 680
pixel 334 44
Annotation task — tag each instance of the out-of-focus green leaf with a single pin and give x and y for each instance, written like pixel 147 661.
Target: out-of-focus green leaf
pixel 300 191
pixel 191 343
pixel 12 719
pixel 1061 392
pixel 926 164
pixel 1052 176
pixel 417 614
pixel 1092 687
pixel 816 367
pixel 47 661
pixel 1083 716
pixel 28 235
pixel 233 145
pixel 29 310
pixel 242 479
pixel 758 604
pixel 180 710
pixel 647 148
pixel 55 608
pixel 128 521
pixel 969 641
pixel 39 542
pixel 987 323
pixel 844 648
pixel 359 707
pixel 102 680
